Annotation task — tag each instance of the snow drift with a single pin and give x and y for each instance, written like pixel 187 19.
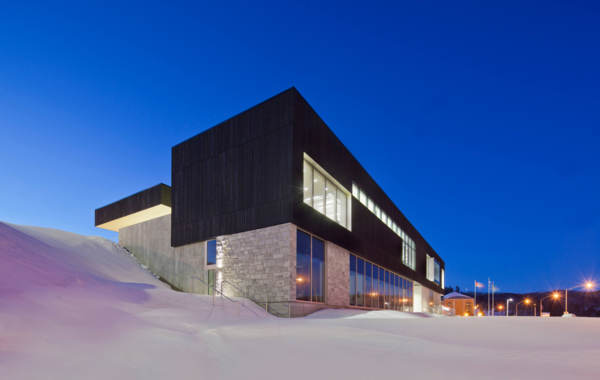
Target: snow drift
pixel 75 307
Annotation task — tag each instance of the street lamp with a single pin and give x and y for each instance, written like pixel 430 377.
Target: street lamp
pixel 554 296
pixel 507 301
pixel 526 301
pixel 588 285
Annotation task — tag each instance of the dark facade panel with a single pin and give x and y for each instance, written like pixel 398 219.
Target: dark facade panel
pixel 246 173
pixel 370 238
pixel 235 176
pixel 156 195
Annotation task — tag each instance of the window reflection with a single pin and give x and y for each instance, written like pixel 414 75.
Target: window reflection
pixel 211 252
pixel 310 268
pixel 318 270
pixel 373 286
pixel 360 272
pixel 352 280
pixel 303 266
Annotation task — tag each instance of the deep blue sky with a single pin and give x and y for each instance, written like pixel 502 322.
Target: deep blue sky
pixel 481 122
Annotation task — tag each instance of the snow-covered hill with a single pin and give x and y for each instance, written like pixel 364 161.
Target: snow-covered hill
pixel 75 307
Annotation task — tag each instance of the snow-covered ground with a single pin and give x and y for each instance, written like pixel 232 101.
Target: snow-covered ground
pixel 75 307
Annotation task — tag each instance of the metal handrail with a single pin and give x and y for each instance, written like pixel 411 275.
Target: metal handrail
pixel 214 287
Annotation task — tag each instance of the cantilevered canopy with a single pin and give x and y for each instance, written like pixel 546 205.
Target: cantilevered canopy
pixel 137 208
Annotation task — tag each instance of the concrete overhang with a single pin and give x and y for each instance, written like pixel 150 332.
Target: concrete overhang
pixel 140 207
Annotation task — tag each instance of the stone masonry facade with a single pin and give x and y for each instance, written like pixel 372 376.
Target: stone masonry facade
pixel 337 275
pixel 258 264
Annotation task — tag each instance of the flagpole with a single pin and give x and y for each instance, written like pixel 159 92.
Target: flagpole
pixel 493 304
pixel 488 291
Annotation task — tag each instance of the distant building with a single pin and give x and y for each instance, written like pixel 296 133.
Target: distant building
pixel 462 304
pixel 270 205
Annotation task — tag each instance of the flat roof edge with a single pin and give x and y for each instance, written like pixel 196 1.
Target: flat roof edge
pixel 159 195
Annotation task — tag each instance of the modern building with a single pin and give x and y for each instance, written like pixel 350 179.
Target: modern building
pixel 462 304
pixel 272 206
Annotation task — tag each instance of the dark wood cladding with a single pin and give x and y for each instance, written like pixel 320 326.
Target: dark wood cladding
pixel 156 195
pixel 235 176
pixel 246 173
pixel 369 238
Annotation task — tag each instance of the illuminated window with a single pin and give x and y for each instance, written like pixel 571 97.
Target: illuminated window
pixel 325 195
pixel 330 202
pixel 341 205
pixel 318 192
pixel 429 267
pixel 308 183
pixel 433 270
pixel 408 245
pixel 363 198
pixel 443 280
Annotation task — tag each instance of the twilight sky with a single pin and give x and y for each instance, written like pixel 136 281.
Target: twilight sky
pixel 481 122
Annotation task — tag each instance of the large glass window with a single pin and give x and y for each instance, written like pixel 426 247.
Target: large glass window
pixel 396 278
pixel 310 268
pixel 352 280
pixel 408 252
pixel 381 288
pixel 308 183
pixel 330 202
pixel 369 284
pixel 373 286
pixel 341 206
pixel 388 286
pixel 324 195
pixel 360 273
pixel 375 298
pixel 318 270
pixel 318 192
pixel 433 269
pixel 211 252
pixel 303 266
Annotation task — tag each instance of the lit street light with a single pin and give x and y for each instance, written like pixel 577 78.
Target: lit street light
pixel 588 285
pixel 507 301
pixel 554 296
pixel 526 301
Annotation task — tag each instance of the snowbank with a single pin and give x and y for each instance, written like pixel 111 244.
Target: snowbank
pixel 75 307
